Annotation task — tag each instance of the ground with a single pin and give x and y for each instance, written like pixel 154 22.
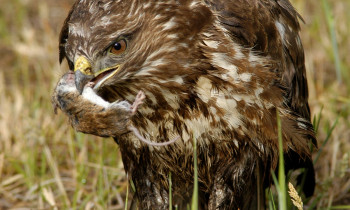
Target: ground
pixel 45 164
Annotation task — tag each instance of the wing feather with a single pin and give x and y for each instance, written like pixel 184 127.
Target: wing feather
pixel 271 28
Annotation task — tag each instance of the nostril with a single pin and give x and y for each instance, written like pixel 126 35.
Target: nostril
pixel 87 71
pixel 83 65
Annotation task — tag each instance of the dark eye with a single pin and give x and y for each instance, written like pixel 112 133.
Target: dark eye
pixel 118 48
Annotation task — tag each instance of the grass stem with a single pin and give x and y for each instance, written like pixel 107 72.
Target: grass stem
pixel 170 193
pixel 195 188
pixel 331 26
pixel 282 194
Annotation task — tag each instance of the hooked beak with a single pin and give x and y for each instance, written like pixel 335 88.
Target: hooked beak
pixel 83 74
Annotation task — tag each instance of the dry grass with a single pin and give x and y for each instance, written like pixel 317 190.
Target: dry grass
pixel 45 164
pixel 296 199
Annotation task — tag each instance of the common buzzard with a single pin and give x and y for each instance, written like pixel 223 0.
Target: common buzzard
pixel 217 71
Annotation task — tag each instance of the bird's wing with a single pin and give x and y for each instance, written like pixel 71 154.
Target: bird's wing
pixel 271 28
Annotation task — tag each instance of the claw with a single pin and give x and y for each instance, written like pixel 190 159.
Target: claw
pixel 138 101
pixel 90 84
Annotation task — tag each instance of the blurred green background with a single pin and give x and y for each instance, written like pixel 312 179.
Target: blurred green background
pixel 44 164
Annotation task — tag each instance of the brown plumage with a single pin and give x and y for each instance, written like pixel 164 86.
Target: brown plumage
pixel 214 70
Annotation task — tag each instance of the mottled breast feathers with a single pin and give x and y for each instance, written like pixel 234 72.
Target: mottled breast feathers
pixel 215 70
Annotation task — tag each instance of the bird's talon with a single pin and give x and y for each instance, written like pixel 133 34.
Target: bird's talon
pixel 90 84
pixel 138 101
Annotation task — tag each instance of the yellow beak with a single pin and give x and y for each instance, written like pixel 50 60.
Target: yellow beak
pixel 83 65
pixel 83 74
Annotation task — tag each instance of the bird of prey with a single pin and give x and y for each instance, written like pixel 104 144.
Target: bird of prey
pixel 218 71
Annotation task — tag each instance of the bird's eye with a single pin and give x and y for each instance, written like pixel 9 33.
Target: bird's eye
pixel 119 47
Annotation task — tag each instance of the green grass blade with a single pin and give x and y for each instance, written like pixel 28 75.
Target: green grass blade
pixel 317 120
pixel 282 194
pixel 194 205
pixel 275 180
pixel 315 202
pixel 127 194
pixel 341 207
pixel 329 133
pixel 170 193
pixel 272 205
pixel 331 26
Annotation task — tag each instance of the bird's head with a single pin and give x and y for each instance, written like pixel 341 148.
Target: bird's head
pixel 129 45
